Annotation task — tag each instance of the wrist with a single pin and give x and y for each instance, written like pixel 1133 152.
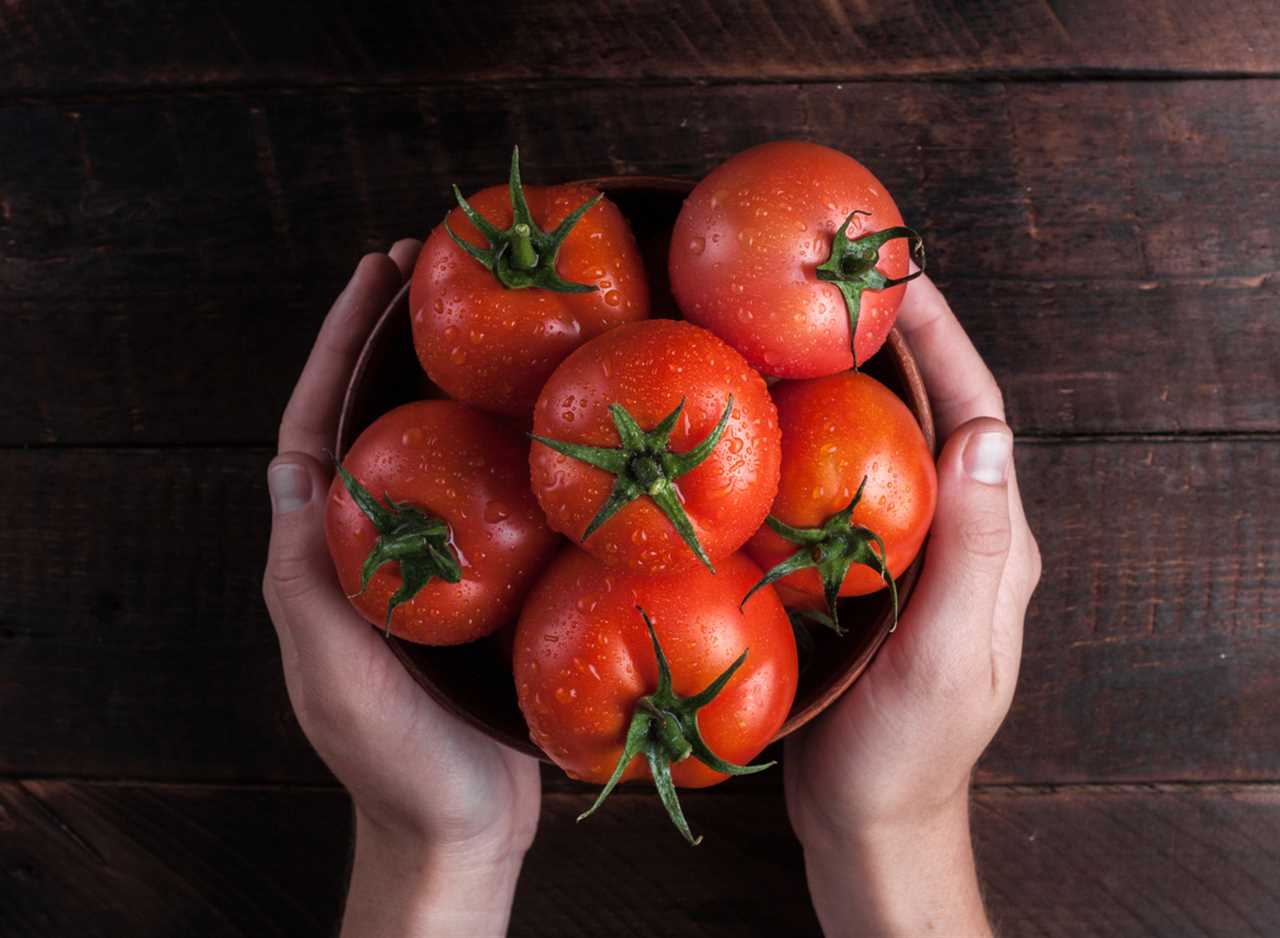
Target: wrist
pixel 907 875
pixel 405 884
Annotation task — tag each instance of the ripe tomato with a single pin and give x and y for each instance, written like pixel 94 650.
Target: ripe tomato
pixel 750 246
pixel 489 331
pixel 589 681
pixel 656 447
pixel 438 518
pixel 847 440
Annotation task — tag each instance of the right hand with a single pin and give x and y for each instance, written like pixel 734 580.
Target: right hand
pixel 888 766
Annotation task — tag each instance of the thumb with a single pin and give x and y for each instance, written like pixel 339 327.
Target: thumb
pixel 300 585
pixel 953 606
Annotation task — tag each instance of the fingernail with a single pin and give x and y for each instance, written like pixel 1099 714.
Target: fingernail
pixel 290 487
pixel 986 457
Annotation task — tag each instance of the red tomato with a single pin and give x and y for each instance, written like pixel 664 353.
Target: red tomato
pixel 450 491
pixel 635 502
pixel 584 662
pixel 493 346
pixel 837 432
pixel 748 246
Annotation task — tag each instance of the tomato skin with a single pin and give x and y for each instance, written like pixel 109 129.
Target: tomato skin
pixel 494 347
pixel 747 242
pixel 583 658
pixel 468 469
pixel 649 368
pixel 835 430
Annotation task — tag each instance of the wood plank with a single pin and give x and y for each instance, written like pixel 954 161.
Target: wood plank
pixel 132 617
pixel 148 243
pixel 106 860
pixel 78 45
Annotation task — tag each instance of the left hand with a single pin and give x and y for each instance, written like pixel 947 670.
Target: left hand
pixel 444 814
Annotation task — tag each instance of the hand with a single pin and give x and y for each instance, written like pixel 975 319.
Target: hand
pixel 444 815
pixel 877 788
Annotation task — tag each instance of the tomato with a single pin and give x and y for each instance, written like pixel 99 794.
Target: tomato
pixel 434 498
pixel 656 447
pixel 489 332
pixel 784 245
pixel 589 681
pixel 847 440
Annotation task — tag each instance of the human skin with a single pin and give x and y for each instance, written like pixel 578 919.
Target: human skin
pixel 877 788
pixel 444 814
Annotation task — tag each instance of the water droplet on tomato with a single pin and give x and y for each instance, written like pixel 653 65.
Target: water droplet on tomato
pixel 736 444
pixel 411 437
pixel 476 337
pixel 697 245
pixel 495 511
pixel 450 333
pixel 744 315
pixel 638 536
pixel 458 355
pixel 613 297
pixel 438 305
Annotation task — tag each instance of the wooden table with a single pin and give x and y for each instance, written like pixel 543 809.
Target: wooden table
pixel 183 188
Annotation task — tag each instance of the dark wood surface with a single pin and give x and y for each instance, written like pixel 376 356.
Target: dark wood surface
pixel 256 862
pixel 183 187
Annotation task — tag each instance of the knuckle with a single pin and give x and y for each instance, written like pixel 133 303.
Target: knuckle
pixel 323 715
pixel 289 578
pixel 1036 565
pixel 985 534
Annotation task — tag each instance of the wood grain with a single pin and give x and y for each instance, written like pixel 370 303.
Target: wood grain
pixel 106 860
pixel 79 45
pixel 152 244
pixel 132 617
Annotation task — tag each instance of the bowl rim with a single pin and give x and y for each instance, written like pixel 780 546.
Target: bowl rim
pixel 917 401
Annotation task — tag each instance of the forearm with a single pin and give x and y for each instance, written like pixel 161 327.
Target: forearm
pixel 909 880
pixel 399 890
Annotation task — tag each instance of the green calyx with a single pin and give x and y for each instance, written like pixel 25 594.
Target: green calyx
pixel 851 268
pixel 832 549
pixel 664 729
pixel 523 255
pixel 417 540
pixel 644 465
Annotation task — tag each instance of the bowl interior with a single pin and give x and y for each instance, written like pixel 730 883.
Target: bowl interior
pixel 474 681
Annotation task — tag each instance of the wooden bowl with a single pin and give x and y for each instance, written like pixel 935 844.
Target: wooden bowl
pixel 473 681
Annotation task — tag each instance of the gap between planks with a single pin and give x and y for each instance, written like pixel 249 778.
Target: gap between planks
pixel 1034 438
pixel 98 94
pixel 1171 787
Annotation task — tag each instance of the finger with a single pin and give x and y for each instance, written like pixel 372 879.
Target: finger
pixel 960 385
pixel 948 626
pixel 307 605
pixel 1022 573
pixel 311 417
pixel 405 253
